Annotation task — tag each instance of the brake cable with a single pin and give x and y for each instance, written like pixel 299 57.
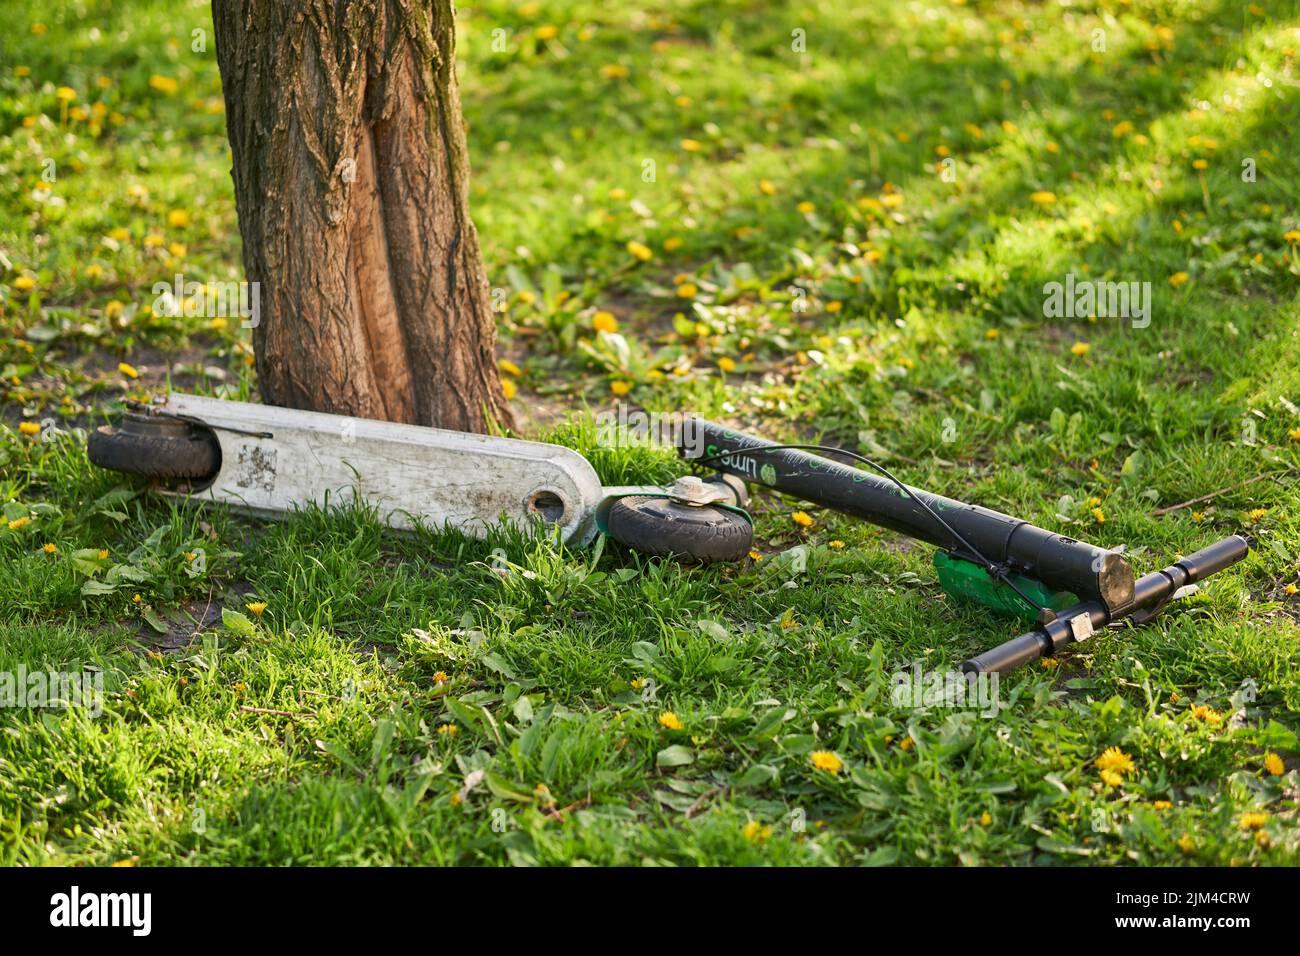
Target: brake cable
pixel 997 572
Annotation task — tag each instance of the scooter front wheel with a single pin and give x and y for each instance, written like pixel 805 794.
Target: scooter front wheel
pixel 668 528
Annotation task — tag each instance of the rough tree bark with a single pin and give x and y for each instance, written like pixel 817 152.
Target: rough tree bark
pixel 351 183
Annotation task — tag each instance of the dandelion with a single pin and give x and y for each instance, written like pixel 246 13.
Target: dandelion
pixel 1043 198
pixel 1047 662
pixel 18 523
pixel 163 84
pixel 826 760
pixel 1111 778
pixel 102 554
pixel 128 370
pixel 604 322
pixel 802 518
pixel 1257 514
pixel 670 720
pixel 547 32
pixel 836 544
pixel 1198 517
pixel 833 307
pixel 636 683
pixel 692 145
pixel 756 832
pixel 448 730
pixel 991 334
pixel 120 234
pixel 1274 765
pixel 509 367
pixel 640 250
pixel 1290 589
pixel 767 187
pixel 1178 278
pixel 907 743
pixel 806 207
pixel 727 364
pixel 1292 235
pixel 29 428
pixel 1113 758
pixel 1206 715
pixel 1185 843
pixel 258 608
pixel 986 818
pixel 1294 434
pixel 24 283
pixel 65 94
pixel 687 290
pixel 620 388
pixel 1162 805
pixel 754 555
pixel 1080 349
pixel 509 389
pixel 1099 516
pixel 1253 821
pixel 672 244
pixel 49 547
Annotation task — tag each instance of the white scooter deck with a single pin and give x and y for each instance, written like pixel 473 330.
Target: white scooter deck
pixel 273 459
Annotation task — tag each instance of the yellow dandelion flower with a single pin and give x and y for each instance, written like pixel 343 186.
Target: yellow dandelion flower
pixel 547 32
pixel 836 544
pixel 640 250
pixel 986 818
pixel 802 518
pixel 1198 517
pixel 1113 758
pixel 907 743
pixel 604 322
pixel 767 187
pixel 102 554
pixel 806 207
pixel 29 428
pixel 509 367
pixel 756 832
pixel 1294 434
pixel 1274 765
pixel 1178 278
pixel 24 283
pixel 178 218
pixel 1257 514
pixel 1111 778
pixel 1253 821
pixel 636 683
pixel 441 677
pixel 18 523
pixel 1043 198
pixel 620 388
pixel 687 290
pixel 1080 349
pixel 128 370
pixel 1292 235
pixel 163 84
pixel 119 234
pixel 1099 516
pixel 614 71
pixel 49 547
pixel 692 145
pixel 991 334
pixel 509 389
pixel 1047 662
pixel 672 244
pixel 448 730
pixel 1185 843
pixel 65 94
pixel 1206 715
pixel 826 760
pixel 1290 589
pixel 1162 805
pixel 727 364
pixel 670 720
pixel 258 608
pixel 754 555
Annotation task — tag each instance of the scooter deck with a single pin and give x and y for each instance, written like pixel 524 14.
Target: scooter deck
pixel 273 459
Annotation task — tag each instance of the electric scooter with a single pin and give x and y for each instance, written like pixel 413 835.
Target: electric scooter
pixel 269 460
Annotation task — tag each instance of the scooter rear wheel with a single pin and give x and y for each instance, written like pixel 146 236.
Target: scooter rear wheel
pixel 155 448
pixel 668 528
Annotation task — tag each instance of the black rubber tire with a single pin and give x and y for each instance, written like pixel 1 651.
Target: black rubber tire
pixel 195 456
pixel 667 528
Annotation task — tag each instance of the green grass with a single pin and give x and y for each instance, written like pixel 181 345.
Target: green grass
pixel 900 313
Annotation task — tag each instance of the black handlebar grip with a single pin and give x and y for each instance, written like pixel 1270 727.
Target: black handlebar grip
pixel 1210 560
pixel 1008 656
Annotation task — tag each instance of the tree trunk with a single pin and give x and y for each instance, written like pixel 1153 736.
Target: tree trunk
pixel 351 183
